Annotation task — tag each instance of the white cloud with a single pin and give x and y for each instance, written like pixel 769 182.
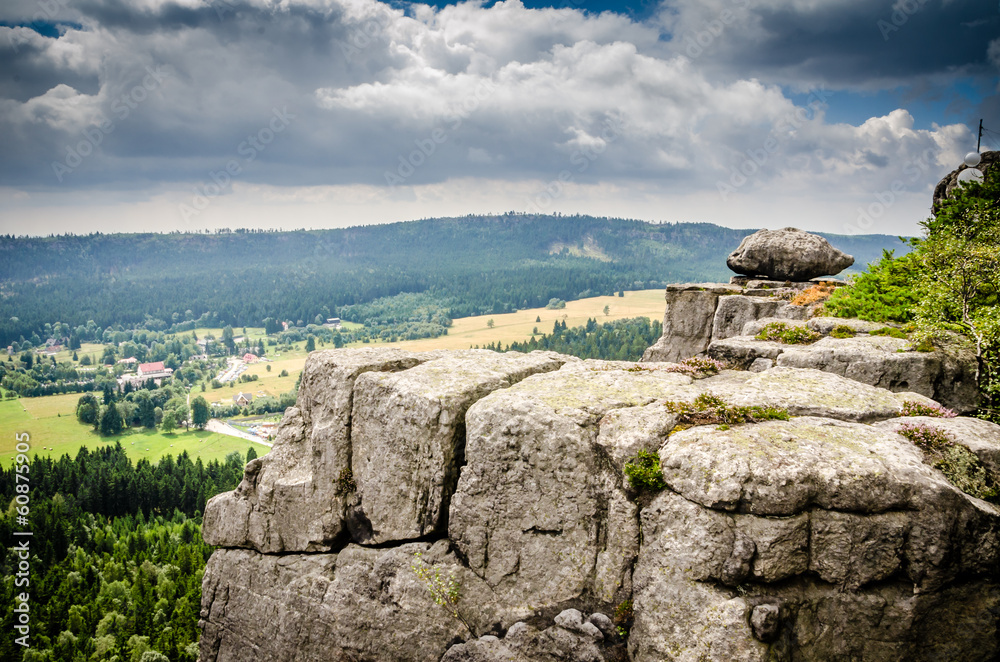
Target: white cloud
pixel 506 98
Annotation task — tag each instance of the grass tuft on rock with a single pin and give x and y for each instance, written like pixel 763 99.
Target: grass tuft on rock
pixel 787 335
pixel 960 466
pixel 708 409
pixel 644 472
pixel 842 331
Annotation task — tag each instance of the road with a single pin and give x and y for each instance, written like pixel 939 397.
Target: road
pixel 215 425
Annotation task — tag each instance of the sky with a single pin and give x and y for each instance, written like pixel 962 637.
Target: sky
pixel 187 115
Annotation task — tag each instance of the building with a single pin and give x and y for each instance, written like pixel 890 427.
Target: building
pixel 155 371
pixel 250 358
pixel 332 323
pixel 242 399
pixel 129 361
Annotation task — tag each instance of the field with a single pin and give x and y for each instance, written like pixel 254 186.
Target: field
pixel 465 332
pixel 54 430
pixel 470 331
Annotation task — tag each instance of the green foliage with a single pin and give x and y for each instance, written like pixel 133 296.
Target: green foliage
pixel 884 293
pixel 200 412
pixel 117 555
pixel 787 334
pixel 620 340
pixel 644 472
pixel 623 617
pixel 961 467
pixel 709 409
pixel 842 331
pixel 890 331
pixel 444 590
pixel 88 409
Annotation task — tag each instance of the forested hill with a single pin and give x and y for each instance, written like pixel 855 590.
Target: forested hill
pixel 467 265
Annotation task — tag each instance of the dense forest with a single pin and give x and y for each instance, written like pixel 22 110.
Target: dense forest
pixel 620 340
pixel 116 555
pixel 463 266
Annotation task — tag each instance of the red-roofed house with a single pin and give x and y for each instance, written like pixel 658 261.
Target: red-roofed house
pixel 153 371
pixel 250 358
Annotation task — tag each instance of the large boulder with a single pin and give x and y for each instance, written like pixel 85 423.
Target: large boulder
pixel 787 254
pixel 408 437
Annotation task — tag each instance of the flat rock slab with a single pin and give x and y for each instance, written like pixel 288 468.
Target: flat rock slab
pixel 408 436
pixel 806 392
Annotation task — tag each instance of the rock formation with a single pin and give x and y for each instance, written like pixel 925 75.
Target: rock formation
pixel 788 254
pixel 722 321
pixel 474 507
pixel 950 181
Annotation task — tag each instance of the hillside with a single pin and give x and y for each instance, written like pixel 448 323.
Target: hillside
pixel 470 265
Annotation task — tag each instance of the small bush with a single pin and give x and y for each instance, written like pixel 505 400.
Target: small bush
pixel 842 331
pixel 788 335
pixel 623 617
pixel 958 464
pixel 890 331
pixel 708 409
pixel 815 294
pixel 911 408
pixel 644 472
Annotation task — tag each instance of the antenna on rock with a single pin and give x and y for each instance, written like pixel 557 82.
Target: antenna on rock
pixel 979 141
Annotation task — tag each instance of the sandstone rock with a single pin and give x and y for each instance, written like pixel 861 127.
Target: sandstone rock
pixel 947 377
pixel 754 327
pixel 408 437
pixel 523 643
pixel 540 491
pixel 734 312
pixel 760 365
pixel 825 325
pixel 290 499
pixel 878 361
pixel 361 604
pixel 687 325
pixel 979 436
pixel 806 392
pixel 764 621
pixel 787 254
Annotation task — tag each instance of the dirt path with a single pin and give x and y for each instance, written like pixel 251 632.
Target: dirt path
pixel 215 425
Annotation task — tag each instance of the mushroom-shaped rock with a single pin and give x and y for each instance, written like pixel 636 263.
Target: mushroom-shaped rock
pixel 787 254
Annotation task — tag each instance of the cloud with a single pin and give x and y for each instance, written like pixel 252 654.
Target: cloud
pixel 695 101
